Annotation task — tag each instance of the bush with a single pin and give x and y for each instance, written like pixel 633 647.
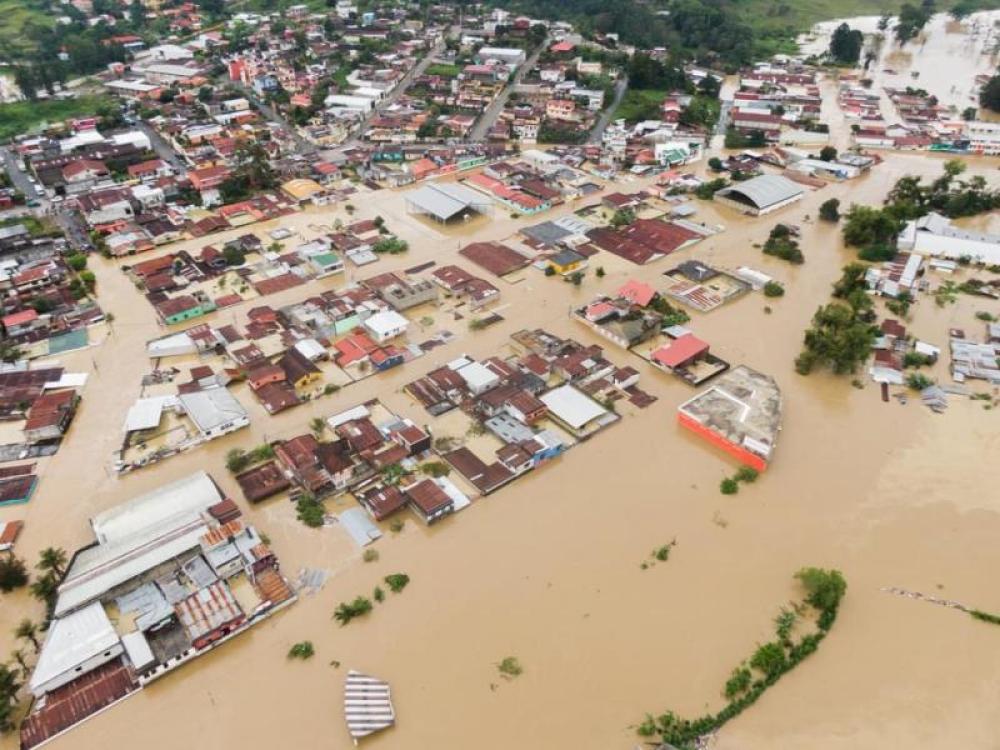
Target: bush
pixel 347 611
pixel 76 261
pixel 237 460
pixel 13 573
pixel 781 245
pixel 830 210
pixel 747 474
pixel 773 289
pixel 738 682
pixel 729 486
pixel 391 246
pixel 396 582
pixel 310 511
pixel 436 469
pixel 510 667
pixel 918 381
pixel 770 659
pixel 370 555
pixel 301 650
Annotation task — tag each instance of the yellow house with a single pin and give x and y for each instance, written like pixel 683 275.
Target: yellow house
pixel 566 261
pixel 299 370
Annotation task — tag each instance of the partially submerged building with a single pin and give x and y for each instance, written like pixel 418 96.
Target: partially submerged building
pixel 740 413
pixel 761 195
pixel 164 581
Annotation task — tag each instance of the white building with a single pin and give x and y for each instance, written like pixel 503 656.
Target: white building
pixel 214 411
pixel 506 55
pixel 984 137
pixel 386 325
pixel 935 235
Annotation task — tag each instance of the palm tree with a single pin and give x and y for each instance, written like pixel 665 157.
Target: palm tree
pixel 45 588
pixel 53 559
pixel 28 631
pixel 18 656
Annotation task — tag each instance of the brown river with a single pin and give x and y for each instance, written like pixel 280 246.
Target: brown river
pixel 548 569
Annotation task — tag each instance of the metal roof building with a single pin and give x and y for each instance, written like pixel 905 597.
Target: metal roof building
pixel 214 411
pixel 445 202
pixel 761 195
pixel 136 537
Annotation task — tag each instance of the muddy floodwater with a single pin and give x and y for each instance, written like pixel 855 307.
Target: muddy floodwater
pixel 548 569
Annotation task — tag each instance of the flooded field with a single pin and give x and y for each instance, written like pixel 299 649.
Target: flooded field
pixel 943 60
pixel 548 569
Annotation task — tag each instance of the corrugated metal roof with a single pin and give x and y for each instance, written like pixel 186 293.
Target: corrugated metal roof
pixel 70 642
pixel 765 190
pixel 367 705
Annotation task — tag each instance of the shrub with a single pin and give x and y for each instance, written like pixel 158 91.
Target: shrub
pixel 310 511
pixel 918 381
pixel 397 525
pixel 347 611
pixel 378 594
pixel 830 210
pixel 510 667
pixel 738 682
pixel 773 289
pixel 729 486
pixel 747 474
pixel 301 650
pixel 13 573
pixel 436 469
pixel 770 659
pixel 396 582
pixel 370 555
pixel 237 460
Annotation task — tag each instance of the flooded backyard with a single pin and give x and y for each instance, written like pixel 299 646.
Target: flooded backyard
pixel 549 570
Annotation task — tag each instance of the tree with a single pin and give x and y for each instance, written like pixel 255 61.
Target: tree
pixel 52 559
pixel 989 95
pixel 773 289
pixel 770 658
pixel 622 217
pixel 26 630
pixel 828 153
pixel 13 573
pixel 10 352
pixel 838 338
pixel 9 687
pixel 912 20
pixel 318 426
pixel 45 589
pixel 715 164
pixel 845 45
pixel 824 590
pixel 870 226
pixel 829 210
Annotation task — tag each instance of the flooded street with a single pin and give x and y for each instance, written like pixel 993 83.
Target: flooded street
pixel 548 569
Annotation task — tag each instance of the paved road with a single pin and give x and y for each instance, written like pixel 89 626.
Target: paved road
pixel 302 146
pixel 404 83
pixel 621 86
pixel 488 117
pixel 18 178
pixel 163 149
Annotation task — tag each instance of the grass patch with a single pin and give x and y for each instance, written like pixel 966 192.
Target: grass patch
pixel 640 104
pixel 22 117
pixel 443 69
pixel 15 17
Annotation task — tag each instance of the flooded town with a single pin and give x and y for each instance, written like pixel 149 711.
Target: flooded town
pixel 411 376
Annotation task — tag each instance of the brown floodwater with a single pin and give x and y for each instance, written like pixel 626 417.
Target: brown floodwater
pixel 945 57
pixel 548 569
